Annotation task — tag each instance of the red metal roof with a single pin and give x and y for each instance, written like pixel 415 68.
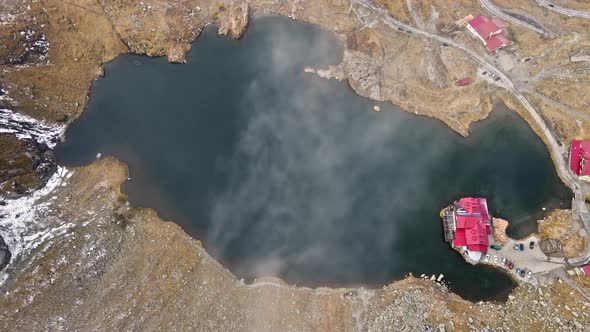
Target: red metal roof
pixel 459 240
pixel 586 269
pixel 575 156
pixel 487 29
pixel 477 20
pixel 475 205
pixel 478 247
pixel 496 42
pixel 472 225
pixel 467 221
pixel 464 81
pixel 477 235
pixel 490 30
pixel 580 157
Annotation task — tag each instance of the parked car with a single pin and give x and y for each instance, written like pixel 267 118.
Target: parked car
pixel 517 271
pixel 504 261
pixel 487 258
pixel 521 247
pixel 516 246
pixel 495 259
pixel 529 274
pixel 532 245
pixel 522 273
pixel 510 265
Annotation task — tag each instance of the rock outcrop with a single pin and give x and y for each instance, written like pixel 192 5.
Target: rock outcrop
pixel 552 247
pixel 5 254
pixel 565 226
pixel 500 226
pixel 25 165
pixel 234 20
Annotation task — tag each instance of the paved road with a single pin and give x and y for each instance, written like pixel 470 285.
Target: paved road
pixel 558 152
pixel 562 10
pixel 579 206
pixel 490 7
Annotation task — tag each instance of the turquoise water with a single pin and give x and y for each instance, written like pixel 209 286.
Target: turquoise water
pixel 282 173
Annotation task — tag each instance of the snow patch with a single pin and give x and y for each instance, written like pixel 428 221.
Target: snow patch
pixel 35 42
pixel 26 127
pixel 27 222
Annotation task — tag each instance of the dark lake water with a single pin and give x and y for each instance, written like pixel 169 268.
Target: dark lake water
pixel 283 173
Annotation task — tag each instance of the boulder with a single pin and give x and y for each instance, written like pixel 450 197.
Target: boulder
pixel 5 254
pixel 551 247
pixel 27 165
pixel 499 226
pixel 234 20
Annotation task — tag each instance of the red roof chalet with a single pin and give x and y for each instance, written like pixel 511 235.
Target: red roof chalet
pixel 473 224
pixel 586 270
pixel 489 31
pixel 580 158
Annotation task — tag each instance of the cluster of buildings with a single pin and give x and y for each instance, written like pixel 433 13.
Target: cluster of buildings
pixel 489 31
pixel 467 226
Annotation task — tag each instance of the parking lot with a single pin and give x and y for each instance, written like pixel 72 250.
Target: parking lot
pixel 533 260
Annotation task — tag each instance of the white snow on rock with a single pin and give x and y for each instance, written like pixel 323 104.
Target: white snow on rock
pixel 27 127
pixel 35 42
pixel 27 222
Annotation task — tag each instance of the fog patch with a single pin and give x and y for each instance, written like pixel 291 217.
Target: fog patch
pixel 301 179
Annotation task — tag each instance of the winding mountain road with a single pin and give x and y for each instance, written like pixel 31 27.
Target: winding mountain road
pixel 557 151
pixel 562 10
pixel 490 7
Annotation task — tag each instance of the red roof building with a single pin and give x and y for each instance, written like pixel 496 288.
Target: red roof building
pixel 489 31
pixel 472 224
pixel 464 81
pixel 580 159
pixel 586 270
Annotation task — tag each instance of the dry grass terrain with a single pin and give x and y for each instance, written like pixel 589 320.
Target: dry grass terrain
pixel 563 226
pixel 123 268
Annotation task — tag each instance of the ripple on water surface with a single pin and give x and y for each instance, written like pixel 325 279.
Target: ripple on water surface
pixel 282 173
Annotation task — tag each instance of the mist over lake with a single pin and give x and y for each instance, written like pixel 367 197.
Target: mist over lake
pixel 282 173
